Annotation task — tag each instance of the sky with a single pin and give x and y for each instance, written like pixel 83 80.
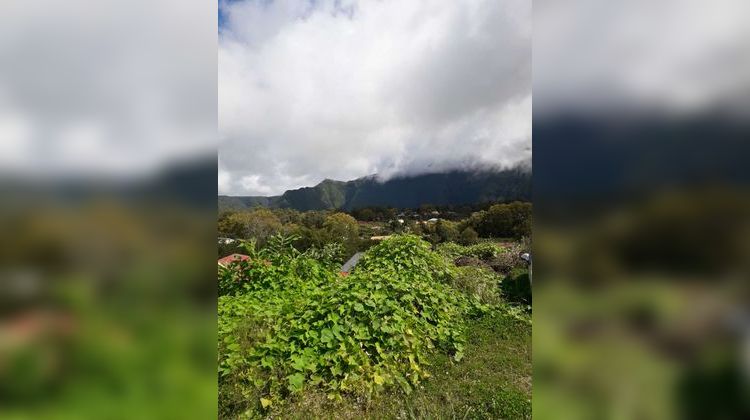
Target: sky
pixel 105 89
pixel 309 90
pixel 667 56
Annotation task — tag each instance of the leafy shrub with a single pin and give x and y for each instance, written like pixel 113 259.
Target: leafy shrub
pixel 295 324
pixel 468 236
pixel 331 255
pixel 484 251
pixel 450 250
pixel 512 220
pixel 516 286
pixel 509 259
pixel 480 282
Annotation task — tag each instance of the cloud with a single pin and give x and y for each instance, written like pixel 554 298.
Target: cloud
pixel 343 89
pixel 673 56
pixel 110 88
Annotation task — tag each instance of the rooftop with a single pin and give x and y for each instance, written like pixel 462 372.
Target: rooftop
pixel 349 265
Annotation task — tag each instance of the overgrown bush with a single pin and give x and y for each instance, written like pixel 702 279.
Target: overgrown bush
pixel 516 286
pixel 509 259
pixel 450 250
pixel 468 236
pixel 512 220
pixel 295 323
pixel 480 282
pixel 484 251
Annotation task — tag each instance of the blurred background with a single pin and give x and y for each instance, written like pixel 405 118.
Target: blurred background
pixel 108 209
pixel 642 211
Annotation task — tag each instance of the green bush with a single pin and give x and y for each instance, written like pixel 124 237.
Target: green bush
pixel 295 324
pixel 485 251
pixel 480 282
pixel 516 286
pixel 468 236
pixel 450 250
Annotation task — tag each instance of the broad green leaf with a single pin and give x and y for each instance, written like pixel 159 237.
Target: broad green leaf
pixel 296 381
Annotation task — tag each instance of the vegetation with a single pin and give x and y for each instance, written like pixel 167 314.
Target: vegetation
pixel 492 381
pixel 315 229
pixel 296 335
pixel 120 321
pixel 503 220
pixel 435 316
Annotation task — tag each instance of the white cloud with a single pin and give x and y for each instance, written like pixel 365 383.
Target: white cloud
pixel 106 88
pixel 314 90
pixel 667 55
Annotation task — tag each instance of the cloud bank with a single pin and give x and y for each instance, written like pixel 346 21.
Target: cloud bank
pixel 343 89
pixel 668 56
pixel 108 88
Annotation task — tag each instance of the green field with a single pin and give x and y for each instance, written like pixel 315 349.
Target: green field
pixel 408 334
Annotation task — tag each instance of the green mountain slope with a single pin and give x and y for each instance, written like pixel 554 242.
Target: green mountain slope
pixel 455 187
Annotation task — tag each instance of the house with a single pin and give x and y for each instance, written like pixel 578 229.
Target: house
pixel 229 259
pixel 349 265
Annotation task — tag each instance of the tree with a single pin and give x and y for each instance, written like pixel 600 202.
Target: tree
pixel 341 225
pixel 446 230
pixel 259 224
pixel 313 219
pixel 468 236
pixel 366 214
pixel 343 229
pixel 503 220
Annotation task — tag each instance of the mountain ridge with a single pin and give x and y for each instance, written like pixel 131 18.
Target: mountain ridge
pixel 406 191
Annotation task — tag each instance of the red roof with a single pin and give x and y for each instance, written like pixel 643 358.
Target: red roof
pixel 233 258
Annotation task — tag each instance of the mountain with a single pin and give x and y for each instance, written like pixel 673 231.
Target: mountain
pixel 454 187
pixel 189 183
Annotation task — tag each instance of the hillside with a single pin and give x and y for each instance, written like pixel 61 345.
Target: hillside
pixel 449 188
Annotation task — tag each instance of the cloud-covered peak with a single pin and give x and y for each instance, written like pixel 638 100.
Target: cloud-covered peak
pixel 343 89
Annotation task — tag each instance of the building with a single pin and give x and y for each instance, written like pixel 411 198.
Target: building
pixel 349 265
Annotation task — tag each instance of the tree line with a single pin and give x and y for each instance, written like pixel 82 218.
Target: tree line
pixel 319 228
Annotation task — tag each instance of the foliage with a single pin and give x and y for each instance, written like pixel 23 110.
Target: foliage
pixel 493 381
pixel 506 261
pixel 484 251
pixel 450 250
pixel 259 224
pixel 480 282
pixel 468 236
pixel 516 287
pixel 446 230
pixel 331 255
pixel 511 220
pixel 295 324
pixel 374 213
pixel 119 308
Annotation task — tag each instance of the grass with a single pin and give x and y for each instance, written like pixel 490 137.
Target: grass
pixel 492 381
